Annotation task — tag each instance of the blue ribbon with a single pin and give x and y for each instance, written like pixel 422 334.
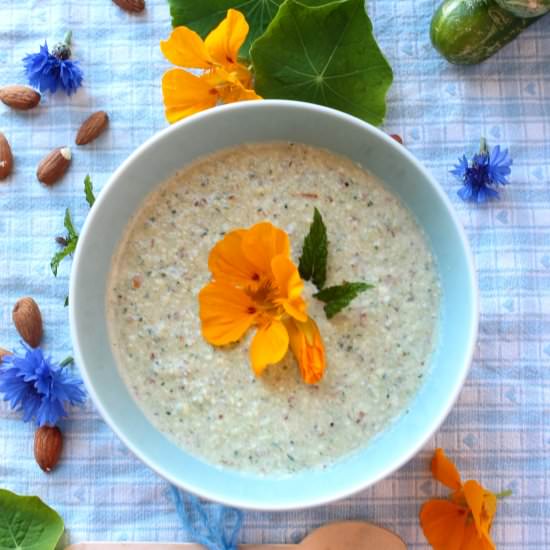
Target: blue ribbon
pixel 216 527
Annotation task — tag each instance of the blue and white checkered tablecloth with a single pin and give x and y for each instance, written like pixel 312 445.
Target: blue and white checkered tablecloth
pixel 498 432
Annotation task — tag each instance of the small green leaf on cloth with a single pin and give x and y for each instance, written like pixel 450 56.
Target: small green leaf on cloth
pixel 204 15
pixel 59 256
pixel 324 54
pixel 89 191
pixel 68 223
pixel 313 262
pixel 338 297
pixel 26 523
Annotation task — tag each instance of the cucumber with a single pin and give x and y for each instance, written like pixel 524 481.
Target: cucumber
pixel 526 8
pixel 469 31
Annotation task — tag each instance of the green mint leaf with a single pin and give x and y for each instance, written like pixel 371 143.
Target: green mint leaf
pixel 336 298
pixel 204 15
pixel 26 523
pixel 313 262
pixel 68 223
pixel 89 191
pixel 324 54
pixel 59 256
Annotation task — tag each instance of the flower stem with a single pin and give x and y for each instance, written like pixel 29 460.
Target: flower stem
pixel 483 149
pixel 68 37
pixel 67 361
pixel 504 494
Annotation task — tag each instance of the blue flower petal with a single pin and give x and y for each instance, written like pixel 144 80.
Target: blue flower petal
pixel 38 387
pixel 47 72
pixel 482 174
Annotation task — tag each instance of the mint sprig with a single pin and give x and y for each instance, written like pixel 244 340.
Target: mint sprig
pixel 313 262
pixel 336 298
pixel 70 241
pixel 26 523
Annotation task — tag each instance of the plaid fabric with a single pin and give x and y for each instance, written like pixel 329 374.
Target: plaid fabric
pixel 498 432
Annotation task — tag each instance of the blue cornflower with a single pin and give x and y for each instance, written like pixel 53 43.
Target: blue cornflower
pixel 38 387
pixel 484 174
pixel 49 70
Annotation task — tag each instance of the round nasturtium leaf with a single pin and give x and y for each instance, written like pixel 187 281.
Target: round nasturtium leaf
pixel 323 54
pixel 26 523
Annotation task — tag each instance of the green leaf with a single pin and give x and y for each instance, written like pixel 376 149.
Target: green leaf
pixel 313 262
pixel 323 54
pixel 26 523
pixel 58 256
pixel 338 297
pixel 89 191
pixel 68 223
pixel 67 361
pixel 204 15
pixel 66 302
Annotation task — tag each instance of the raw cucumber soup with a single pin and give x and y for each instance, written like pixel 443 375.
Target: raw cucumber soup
pixel 207 399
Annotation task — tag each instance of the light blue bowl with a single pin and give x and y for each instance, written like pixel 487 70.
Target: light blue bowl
pixel 256 121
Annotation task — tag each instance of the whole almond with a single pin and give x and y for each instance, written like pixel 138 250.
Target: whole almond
pixel 92 127
pixel 48 444
pixel 54 165
pixel 18 97
pixel 6 158
pixel 28 321
pixel 3 353
pixel 132 6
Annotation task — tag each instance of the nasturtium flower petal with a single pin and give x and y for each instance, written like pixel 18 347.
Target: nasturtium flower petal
pixel 262 242
pixel 227 262
pixel 224 42
pixel 482 505
pixel 186 49
pixel 269 346
pixel 488 511
pixel 226 313
pixel 185 94
pixel 290 286
pixel 474 541
pixel 287 277
pixel 232 94
pixel 463 522
pixel 308 348
pixel 444 524
pixel 445 471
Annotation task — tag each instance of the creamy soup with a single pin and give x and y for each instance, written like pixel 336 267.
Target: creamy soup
pixel 206 398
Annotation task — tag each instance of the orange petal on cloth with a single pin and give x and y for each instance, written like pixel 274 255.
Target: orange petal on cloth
pixel 262 242
pixel 482 505
pixel 226 313
pixel 185 94
pixel 227 262
pixel 269 346
pixel 308 348
pixel 224 42
pixel 444 524
pixel 488 511
pixel 445 471
pixel 474 541
pixel 186 49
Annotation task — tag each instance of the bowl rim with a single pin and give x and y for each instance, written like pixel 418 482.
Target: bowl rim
pixel 300 502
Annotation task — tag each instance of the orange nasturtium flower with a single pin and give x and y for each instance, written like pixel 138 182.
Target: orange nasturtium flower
pixel 464 520
pixel 223 78
pixel 255 283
